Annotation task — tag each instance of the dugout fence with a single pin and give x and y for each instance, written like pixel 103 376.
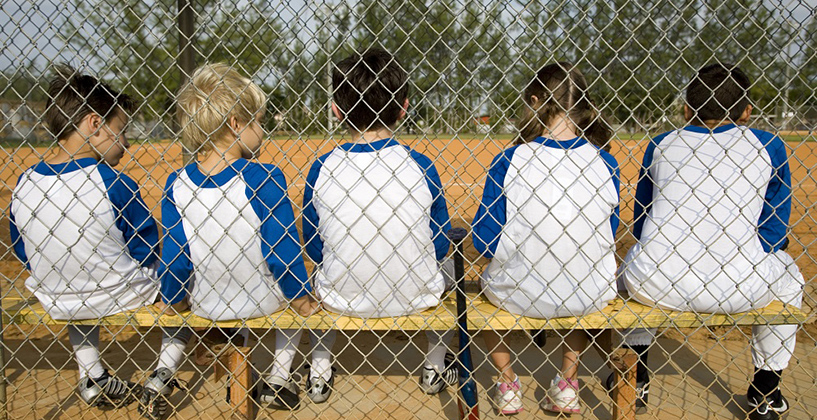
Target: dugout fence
pixel 468 62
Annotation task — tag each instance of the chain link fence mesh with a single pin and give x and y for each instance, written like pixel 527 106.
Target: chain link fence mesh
pixel 468 62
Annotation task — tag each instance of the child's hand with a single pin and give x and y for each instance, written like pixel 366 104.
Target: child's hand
pixel 164 308
pixel 305 306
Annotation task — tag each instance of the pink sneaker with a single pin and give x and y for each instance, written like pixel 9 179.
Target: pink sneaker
pixel 507 398
pixel 563 397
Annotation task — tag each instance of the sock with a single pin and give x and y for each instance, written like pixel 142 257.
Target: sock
pixel 642 373
pixel 438 342
pixel 85 341
pixel 286 345
pixel 764 382
pixel 174 342
pixel 322 343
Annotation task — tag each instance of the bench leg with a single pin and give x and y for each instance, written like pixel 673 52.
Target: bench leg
pixel 238 363
pixel 624 361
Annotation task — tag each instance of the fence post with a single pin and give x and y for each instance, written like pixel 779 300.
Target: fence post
pixel 3 401
pixel 186 21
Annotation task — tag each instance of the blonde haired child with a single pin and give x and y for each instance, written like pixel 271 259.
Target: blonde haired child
pixel 232 248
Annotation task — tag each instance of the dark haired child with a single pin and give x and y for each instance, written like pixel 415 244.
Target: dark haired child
pixel 711 216
pixel 375 218
pixel 81 227
pixel 547 221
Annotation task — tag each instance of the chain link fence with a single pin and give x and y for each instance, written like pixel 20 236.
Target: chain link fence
pixel 468 63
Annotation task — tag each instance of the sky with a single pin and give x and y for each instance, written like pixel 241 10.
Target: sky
pixel 30 29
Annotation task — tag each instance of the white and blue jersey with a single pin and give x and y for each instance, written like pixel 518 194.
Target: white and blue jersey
pixel 375 222
pixel 87 238
pixel 547 220
pixel 711 206
pixel 231 243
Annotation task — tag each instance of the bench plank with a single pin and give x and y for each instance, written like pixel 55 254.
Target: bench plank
pixel 621 314
pixel 481 314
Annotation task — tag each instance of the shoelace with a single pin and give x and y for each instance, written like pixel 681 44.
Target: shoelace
pixel 116 388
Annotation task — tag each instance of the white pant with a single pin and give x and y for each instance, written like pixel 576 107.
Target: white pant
pixel 772 345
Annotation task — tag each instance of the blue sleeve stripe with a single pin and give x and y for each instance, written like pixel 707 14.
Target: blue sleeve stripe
pixel 280 243
pixel 134 220
pixel 615 173
pixel 774 217
pixel 310 220
pixel 440 222
pixel 644 189
pixel 491 215
pixel 176 268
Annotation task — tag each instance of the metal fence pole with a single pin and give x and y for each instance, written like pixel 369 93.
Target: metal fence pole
pixel 187 54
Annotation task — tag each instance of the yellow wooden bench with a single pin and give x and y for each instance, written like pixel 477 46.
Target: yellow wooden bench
pixel 481 315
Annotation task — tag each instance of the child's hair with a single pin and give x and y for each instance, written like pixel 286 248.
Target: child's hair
pixel 560 88
pixel 717 92
pixel 72 96
pixel 370 89
pixel 214 94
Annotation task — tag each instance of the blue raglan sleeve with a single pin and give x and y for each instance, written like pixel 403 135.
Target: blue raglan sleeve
pixel 16 239
pixel 644 188
pixel 280 245
pixel 440 222
pixel 615 172
pixel 176 268
pixel 310 220
pixel 491 214
pixel 774 217
pixel 133 219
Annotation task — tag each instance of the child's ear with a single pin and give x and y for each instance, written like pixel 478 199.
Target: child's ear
pixel 745 116
pixel 336 111
pixel 688 113
pixel 404 110
pixel 90 124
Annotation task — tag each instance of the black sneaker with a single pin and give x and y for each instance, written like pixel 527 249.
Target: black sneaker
pixel 153 403
pixel 769 408
pixel 642 392
pixel 432 382
pixel 279 393
pixel 108 391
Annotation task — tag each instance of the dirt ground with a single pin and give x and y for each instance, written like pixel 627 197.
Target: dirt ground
pixel 705 378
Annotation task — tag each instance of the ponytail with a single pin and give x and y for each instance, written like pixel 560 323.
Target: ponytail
pixel 561 88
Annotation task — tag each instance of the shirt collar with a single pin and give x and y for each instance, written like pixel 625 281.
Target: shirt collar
pixel 369 147
pixel 45 168
pixel 707 130
pixel 215 180
pixel 561 144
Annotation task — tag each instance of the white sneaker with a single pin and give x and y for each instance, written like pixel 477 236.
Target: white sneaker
pixel 507 397
pixel 563 396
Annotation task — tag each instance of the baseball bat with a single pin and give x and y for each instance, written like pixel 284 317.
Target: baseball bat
pixel 467 401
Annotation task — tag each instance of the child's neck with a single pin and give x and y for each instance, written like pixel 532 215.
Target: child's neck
pixel 373 135
pixel 560 129
pixel 219 158
pixel 74 147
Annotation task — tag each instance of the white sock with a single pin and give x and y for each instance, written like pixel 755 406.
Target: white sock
pixel 174 343
pixel 322 343
pixel 85 341
pixel 438 346
pixel 286 345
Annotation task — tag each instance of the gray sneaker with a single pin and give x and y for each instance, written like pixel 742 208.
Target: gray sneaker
pixel 153 403
pixel 108 391
pixel 318 389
